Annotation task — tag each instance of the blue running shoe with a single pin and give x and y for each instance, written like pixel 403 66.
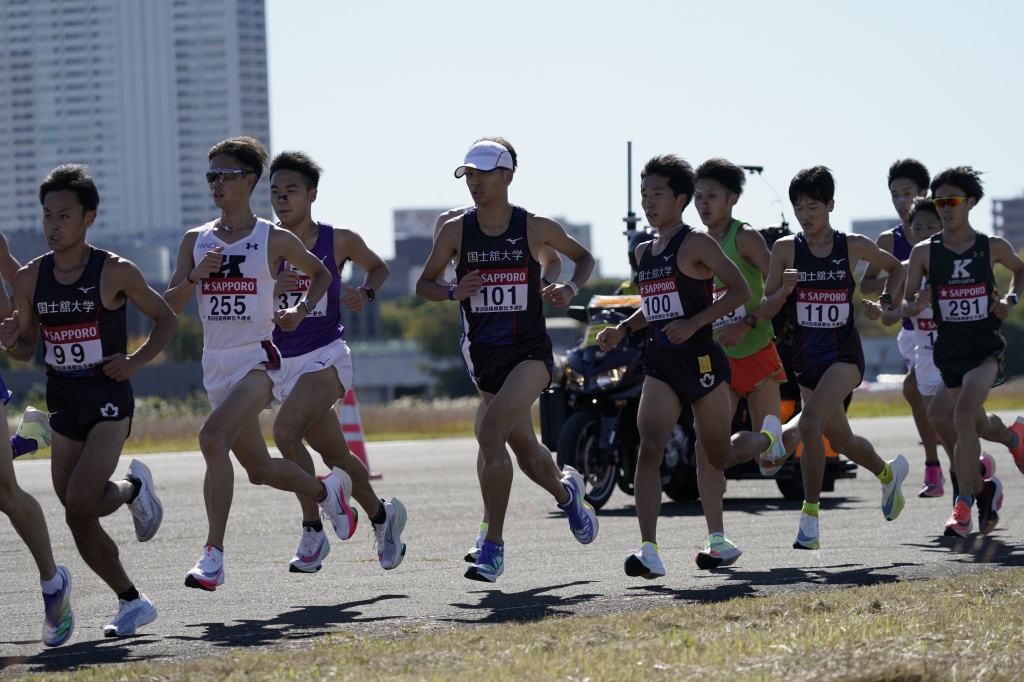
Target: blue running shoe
pixel 807 536
pixel 892 492
pixel 489 565
pixel 582 517
pixel 59 622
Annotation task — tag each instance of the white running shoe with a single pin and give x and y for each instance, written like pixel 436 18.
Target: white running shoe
pixel 388 535
pixel 147 511
pixel 59 621
pixel 208 572
pixel 335 507
pixel 35 425
pixel 474 552
pixel 645 562
pixel 313 549
pixel 130 616
pixel 892 492
pixel 776 452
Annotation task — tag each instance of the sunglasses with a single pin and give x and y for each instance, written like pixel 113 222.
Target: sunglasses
pixel 225 174
pixel 949 201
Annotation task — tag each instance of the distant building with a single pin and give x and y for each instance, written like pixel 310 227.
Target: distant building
pixel 138 91
pixel 1008 220
pixel 873 227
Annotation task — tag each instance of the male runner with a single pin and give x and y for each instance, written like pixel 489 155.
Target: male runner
pixel 29 523
pixel 908 180
pixel 230 263
pixel 496 246
pixel 755 366
pixel 77 296
pixel 682 362
pixel 812 273
pixel 316 367
pixel 968 309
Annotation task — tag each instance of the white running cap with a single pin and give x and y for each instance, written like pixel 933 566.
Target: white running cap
pixel 485 156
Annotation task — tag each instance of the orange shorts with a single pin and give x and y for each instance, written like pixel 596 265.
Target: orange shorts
pixel 750 373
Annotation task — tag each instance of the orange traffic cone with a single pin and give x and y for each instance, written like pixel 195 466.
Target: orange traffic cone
pixel 352 428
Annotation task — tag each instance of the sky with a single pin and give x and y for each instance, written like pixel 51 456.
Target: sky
pixel 388 96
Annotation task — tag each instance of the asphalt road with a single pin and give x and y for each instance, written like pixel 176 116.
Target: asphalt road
pixel 263 606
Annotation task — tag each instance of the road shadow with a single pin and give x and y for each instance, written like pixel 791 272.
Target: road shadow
pixel 302 622
pixel 982 549
pixel 77 655
pixel 525 606
pixel 751 506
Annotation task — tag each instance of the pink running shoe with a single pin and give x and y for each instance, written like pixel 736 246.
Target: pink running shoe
pixel 988 466
pixel 933 482
pixel 1017 428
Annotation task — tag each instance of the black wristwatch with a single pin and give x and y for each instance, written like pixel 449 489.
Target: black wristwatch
pixel 886 298
pixel 370 293
pixel 1012 297
pixel 750 320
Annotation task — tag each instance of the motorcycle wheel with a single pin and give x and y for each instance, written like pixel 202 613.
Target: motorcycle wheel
pixel 577 447
pixel 792 488
pixel 679 475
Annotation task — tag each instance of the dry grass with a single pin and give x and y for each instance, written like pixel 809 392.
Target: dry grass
pixel 962 628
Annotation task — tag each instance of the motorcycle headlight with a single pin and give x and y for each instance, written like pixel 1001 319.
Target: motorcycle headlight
pixel 573 380
pixel 610 377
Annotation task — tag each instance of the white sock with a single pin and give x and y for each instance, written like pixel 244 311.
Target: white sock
pixel 53 585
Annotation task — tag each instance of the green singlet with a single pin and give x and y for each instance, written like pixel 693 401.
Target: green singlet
pixel 758 337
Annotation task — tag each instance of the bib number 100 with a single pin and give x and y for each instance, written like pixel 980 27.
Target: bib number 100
pixel 657 305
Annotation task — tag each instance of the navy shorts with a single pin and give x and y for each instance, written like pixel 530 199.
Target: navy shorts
pixel 490 365
pixel 810 377
pixel 77 406
pixel 692 375
pixel 955 359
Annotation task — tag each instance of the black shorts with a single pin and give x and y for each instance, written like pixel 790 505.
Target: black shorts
pixel 490 365
pixel 692 375
pixel 957 358
pixel 77 406
pixel 810 377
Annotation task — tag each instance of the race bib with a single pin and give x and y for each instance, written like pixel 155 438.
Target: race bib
pixel 227 299
pixel 927 332
pixel 660 299
pixel 291 298
pixel 504 291
pixel 965 303
pixel 74 347
pixel 728 318
pixel 822 308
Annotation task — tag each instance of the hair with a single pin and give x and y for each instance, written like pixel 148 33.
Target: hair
pixel 726 174
pixel 922 205
pixel 301 163
pixel 249 151
pixel 678 171
pixel 506 144
pixel 964 178
pixel 910 169
pixel 74 177
pixel 814 183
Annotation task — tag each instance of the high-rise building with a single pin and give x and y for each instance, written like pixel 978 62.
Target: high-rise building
pixel 138 91
pixel 1008 220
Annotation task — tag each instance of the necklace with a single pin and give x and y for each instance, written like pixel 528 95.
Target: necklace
pixel 662 235
pixel 227 228
pixel 818 242
pixel 88 253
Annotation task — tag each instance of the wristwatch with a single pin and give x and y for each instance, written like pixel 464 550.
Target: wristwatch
pixel 750 320
pixel 308 305
pixel 1012 297
pixel 370 293
pixel 886 298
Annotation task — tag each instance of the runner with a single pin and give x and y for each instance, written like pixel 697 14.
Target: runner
pixel 958 264
pixel 77 295
pixel 29 523
pixel 683 365
pixel 908 180
pixel 316 367
pixel 812 273
pixel 755 366
pixel 228 264
pixel 532 456
pixel 496 246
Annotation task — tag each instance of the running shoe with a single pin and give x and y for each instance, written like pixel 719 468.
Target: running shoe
pixel 474 551
pixel 645 562
pixel 59 621
pixel 313 549
pixel 719 552
pixel 582 517
pixel 807 535
pixel 130 616
pixel 335 507
pixel 990 501
pixel 208 572
pixel 35 426
pixel 892 492
pixel 776 452
pixel 934 480
pixel 147 511
pixel 489 565
pixel 1017 428
pixel 988 466
pixel 388 535
pixel 960 522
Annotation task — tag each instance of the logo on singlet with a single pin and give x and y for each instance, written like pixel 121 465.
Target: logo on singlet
pixel 510 240
pixel 251 245
pixel 230 267
pixel 86 290
pixel 960 268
